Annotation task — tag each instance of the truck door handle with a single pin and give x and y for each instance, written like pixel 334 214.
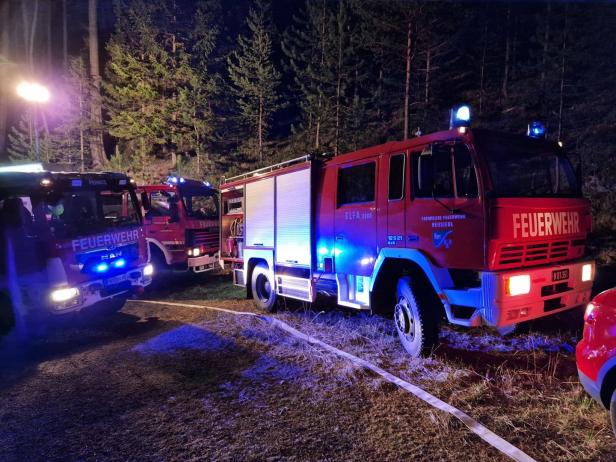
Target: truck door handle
pixel 340 237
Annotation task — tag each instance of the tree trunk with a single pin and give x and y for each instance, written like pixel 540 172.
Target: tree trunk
pixel 562 78
pixel 4 51
pixel 96 117
pixel 64 36
pixel 260 129
pixel 483 67
pixel 544 58
pixel 427 84
pixel 317 136
pixel 505 87
pixel 48 20
pixel 407 80
pixel 33 27
pixel 338 84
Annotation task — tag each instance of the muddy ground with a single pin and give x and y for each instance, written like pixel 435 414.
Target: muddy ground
pixel 166 383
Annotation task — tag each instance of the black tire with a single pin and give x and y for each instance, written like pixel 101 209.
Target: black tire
pixel 613 411
pixel 262 287
pixel 416 317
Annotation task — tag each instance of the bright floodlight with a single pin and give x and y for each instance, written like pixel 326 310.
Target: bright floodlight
pixel 33 92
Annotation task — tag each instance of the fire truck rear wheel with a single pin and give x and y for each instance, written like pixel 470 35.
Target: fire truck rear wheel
pixel 416 317
pixel 262 286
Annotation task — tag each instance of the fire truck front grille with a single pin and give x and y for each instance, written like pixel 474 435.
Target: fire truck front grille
pixel 200 237
pixel 533 253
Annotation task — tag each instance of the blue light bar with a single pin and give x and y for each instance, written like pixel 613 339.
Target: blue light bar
pixel 207 183
pixel 119 263
pixel 182 180
pixel 460 117
pixel 536 130
pixel 101 267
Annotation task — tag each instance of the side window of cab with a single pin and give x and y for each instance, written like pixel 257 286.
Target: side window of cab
pixel 444 170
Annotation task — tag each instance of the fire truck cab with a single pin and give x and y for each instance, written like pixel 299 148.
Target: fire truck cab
pixel 181 223
pixel 68 241
pixel 479 227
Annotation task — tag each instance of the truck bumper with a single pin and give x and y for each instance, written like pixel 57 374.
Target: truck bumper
pixel 495 307
pixel 202 263
pixel 95 291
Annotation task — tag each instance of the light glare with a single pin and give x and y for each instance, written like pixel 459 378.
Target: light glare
pixel 33 92
pixel 518 285
pixel 587 272
pixel 63 295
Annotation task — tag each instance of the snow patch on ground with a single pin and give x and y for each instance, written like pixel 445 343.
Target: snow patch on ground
pixel 186 337
pixel 496 343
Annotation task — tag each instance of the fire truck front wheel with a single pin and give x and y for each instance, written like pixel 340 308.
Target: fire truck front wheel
pixel 416 318
pixel 263 287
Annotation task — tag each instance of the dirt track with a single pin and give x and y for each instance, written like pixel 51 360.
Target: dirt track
pixel 169 383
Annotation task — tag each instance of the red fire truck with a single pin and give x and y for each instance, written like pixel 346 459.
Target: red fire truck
pixel 480 227
pixel 68 241
pixel 181 224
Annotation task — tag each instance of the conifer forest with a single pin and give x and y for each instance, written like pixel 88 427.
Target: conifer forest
pixel 215 87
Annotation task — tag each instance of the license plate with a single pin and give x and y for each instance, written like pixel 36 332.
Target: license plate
pixel 560 275
pixel 115 280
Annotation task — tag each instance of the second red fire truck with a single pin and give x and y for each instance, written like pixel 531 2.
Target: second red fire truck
pixel 479 227
pixel 181 224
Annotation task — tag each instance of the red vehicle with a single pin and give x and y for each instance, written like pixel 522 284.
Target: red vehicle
pixel 596 352
pixel 181 224
pixel 68 241
pixel 483 227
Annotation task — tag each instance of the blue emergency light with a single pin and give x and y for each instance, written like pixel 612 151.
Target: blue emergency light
pixel 460 117
pixel 119 263
pixel 536 130
pixel 175 180
pixel 101 267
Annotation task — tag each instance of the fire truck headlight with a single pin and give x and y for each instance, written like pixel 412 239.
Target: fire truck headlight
pixel 148 270
pixel 194 252
pixel 64 294
pixel 518 285
pixel 587 272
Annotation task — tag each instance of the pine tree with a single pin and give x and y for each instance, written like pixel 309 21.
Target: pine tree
pixel 158 101
pixel 254 77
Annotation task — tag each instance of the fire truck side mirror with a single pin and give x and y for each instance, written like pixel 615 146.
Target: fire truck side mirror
pixel 145 201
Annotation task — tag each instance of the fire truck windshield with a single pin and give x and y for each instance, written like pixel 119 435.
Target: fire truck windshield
pixel 80 212
pixel 200 206
pixel 525 167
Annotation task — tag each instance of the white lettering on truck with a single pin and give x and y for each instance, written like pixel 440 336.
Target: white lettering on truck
pixel 105 240
pixel 545 224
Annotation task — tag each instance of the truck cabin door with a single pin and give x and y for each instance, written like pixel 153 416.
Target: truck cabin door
pixel 355 246
pixel 392 224
pixel 445 216
pixel 163 217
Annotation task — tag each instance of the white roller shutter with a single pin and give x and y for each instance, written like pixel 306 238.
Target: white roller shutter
pixel 293 218
pixel 259 219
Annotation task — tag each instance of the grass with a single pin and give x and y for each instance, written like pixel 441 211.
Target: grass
pixel 176 383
